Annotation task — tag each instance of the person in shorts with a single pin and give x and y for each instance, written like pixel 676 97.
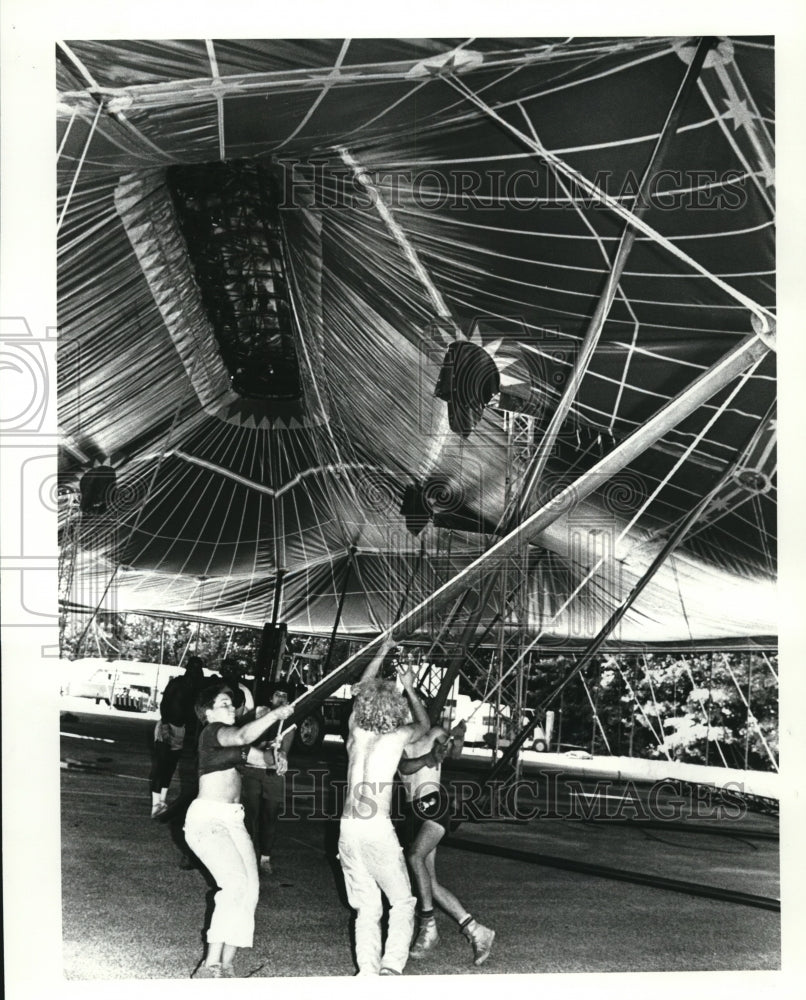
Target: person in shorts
pixel 430 814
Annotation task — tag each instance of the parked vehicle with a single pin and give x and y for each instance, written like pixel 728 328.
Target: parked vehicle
pixel 127 685
pixel 329 718
pixel 481 724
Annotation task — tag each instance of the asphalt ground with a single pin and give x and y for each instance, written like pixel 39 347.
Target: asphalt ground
pixel 564 889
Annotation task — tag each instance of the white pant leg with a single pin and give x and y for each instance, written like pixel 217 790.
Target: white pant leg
pixel 364 896
pixel 215 832
pixel 372 860
pixel 384 859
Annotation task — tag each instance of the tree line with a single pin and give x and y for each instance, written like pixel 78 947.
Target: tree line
pixel 717 708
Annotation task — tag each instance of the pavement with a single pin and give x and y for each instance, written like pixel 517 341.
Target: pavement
pixel 131 912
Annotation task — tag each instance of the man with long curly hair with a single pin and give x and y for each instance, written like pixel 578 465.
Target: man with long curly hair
pixel 370 853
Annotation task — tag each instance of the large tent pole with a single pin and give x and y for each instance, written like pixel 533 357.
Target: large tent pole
pixel 539 458
pixel 278 596
pixel 278 527
pixel 347 574
pixel 603 306
pixel 600 638
pixel 704 387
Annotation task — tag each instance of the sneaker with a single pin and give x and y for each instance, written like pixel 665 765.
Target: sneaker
pixel 208 972
pixel 386 971
pixel 159 809
pixel 427 938
pixel 481 938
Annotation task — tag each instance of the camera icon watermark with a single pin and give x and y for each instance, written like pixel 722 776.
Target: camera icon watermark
pixel 28 450
pixel 27 365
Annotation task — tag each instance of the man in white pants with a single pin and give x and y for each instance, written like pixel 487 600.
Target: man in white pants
pixel 370 853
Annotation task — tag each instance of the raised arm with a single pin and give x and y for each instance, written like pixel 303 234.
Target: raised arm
pixel 238 736
pixel 374 664
pixel 421 723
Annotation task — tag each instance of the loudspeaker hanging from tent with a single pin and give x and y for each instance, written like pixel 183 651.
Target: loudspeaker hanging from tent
pixel 468 380
pixel 269 658
pixel 97 489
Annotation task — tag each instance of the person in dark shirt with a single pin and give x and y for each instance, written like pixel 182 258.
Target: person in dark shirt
pixel 176 715
pixel 263 789
pixel 232 672
pixel 215 830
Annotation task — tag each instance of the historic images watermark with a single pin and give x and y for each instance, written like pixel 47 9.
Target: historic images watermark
pixel 328 184
pixel 548 795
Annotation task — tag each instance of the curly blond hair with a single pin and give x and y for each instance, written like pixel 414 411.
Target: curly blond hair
pixel 379 707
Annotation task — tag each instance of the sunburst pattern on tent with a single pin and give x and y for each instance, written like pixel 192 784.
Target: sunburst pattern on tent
pixel 435 192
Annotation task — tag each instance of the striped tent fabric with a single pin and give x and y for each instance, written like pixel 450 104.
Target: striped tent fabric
pixel 430 192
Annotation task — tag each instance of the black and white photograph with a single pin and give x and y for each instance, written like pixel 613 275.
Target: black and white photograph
pixel 392 467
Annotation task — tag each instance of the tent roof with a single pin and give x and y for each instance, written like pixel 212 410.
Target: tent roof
pixel 475 237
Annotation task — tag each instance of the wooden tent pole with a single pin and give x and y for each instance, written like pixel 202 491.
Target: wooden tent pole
pixel 730 366
pixel 538 461
pixel 347 574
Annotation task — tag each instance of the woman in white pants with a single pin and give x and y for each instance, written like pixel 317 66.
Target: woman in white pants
pixel 214 826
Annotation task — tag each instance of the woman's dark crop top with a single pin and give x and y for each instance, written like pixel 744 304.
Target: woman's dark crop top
pixel 214 757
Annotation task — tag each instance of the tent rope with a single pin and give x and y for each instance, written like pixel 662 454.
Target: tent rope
pixel 596 715
pixel 80 164
pixel 66 133
pixel 673 565
pixel 327 84
pixel 771 668
pixel 660 740
pixel 750 716
pixel 764 316
pixel 705 712
pixel 648 675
